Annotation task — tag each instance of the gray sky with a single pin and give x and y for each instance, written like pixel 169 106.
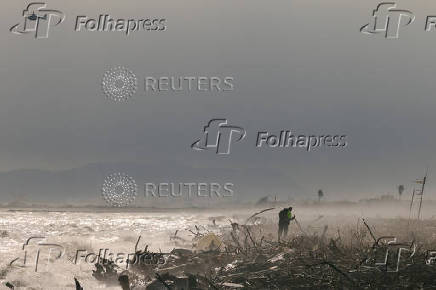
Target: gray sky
pixel 298 65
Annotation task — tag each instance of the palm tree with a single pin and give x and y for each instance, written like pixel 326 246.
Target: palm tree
pixel 320 195
pixel 400 190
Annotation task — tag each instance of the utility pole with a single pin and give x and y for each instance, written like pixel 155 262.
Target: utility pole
pixel 423 181
pixel 420 193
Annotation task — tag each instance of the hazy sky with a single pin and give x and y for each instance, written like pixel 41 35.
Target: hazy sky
pixel 297 65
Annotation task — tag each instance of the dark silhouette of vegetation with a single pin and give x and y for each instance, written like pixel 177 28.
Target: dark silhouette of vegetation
pixel 320 195
pixel 400 191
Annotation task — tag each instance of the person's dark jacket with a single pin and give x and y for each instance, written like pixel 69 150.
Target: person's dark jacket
pixel 284 218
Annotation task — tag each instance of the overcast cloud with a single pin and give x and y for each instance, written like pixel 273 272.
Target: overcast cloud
pixel 297 65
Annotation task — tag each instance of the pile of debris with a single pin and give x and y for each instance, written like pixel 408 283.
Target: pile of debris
pixel 245 257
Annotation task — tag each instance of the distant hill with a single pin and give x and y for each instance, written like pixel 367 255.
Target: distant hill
pixel 83 184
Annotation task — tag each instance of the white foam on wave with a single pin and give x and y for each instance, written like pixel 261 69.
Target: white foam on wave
pixel 92 231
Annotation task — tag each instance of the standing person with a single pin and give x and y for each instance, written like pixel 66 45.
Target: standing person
pixel 285 217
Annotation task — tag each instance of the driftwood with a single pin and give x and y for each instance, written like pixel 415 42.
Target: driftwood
pixel 78 286
pixel 258 213
pixel 328 260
